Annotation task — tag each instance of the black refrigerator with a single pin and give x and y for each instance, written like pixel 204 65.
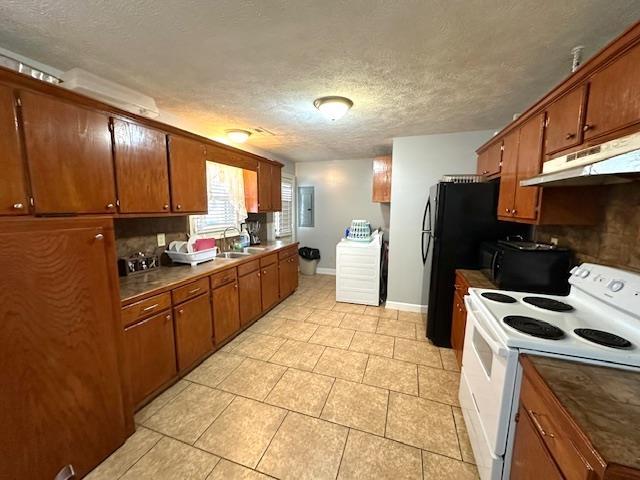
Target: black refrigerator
pixel 457 218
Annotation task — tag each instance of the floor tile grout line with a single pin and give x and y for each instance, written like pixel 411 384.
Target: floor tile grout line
pixel 386 416
pixel 216 417
pixel 344 448
pixel 271 440
pixel 324 405
pixel 143 455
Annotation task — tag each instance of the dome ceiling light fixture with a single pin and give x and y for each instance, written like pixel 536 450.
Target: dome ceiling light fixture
pixel 237 135
pixel 333 107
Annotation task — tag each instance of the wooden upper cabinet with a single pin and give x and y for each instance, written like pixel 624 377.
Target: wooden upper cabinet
pixel 507 197
pixel 14 199
pixel 614 96
pixel 529 165
pixel 382 179
pixel 68 151
pixel 564 121
pixel 276 188
pixel 187 167
pixel 490 160
pixel 142 171
pixel 264 187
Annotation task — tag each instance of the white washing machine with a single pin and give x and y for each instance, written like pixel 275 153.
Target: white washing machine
pixel 358 270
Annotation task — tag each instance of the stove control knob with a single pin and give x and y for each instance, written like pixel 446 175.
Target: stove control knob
pixel 574 270
pixel 615 285
pixel 585 273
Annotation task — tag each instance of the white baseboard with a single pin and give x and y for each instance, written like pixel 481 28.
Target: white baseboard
pixel 406 307
pixel 326 271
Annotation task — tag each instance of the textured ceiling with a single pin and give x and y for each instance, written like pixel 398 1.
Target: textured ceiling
pixel 411 67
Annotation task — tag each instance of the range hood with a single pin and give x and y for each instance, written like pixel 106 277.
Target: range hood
pixel 617 161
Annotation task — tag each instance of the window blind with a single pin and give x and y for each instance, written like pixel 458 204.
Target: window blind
pixel 284 219
pixel 221 210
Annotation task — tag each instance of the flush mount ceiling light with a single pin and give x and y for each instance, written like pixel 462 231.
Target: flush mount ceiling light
pixel 238 136
pixel 333 107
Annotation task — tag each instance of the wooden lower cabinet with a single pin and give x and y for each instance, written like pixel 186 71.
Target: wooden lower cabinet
pixel 62 396
pixel 531 459
pixel 193 331
pixel 458 326
pixel 288 275
pixel 249 287
pixel 226 312
pixel 150 355
pixel 270 286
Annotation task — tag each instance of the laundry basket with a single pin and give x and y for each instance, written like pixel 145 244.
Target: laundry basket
pixel 360 231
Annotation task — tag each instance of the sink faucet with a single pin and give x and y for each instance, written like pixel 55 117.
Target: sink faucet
pixel 224 235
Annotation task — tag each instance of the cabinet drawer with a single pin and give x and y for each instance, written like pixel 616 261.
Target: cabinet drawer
pixel 287 252
pixel 191 290
pixel 248 267
pixel 269 260
pixel 222 278
pixel 144 308
pixel 567 444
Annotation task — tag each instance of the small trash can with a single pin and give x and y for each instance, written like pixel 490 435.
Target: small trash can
pixel 309 258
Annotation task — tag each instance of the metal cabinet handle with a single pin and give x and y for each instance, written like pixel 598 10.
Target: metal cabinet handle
pixel 99 236
pixel 18 206
pixel 514 212
pixel 235 285
pixel 181 311
pixel 194 290
pixel 150 307
pixel 109 205
pixel 165 206
pixel 536 422
pixel 264 272
pixel 507 210
pixel 587 127
pixel 258 274
pixel 178 206
pixel 569 136
pixel 67 473
pixel 484 172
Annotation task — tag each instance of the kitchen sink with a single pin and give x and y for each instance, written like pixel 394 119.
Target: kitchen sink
pixel 234 255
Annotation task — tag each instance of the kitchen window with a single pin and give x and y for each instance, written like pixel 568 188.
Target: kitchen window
pixel 284 218
pixel 225 201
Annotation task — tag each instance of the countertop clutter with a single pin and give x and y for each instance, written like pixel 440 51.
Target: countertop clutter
pixel 604 402
pixel 476 279
pixel 137 287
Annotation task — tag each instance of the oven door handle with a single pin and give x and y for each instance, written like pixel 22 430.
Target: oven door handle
pixel 496 347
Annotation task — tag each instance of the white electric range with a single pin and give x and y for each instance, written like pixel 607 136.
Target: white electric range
pixel 598 322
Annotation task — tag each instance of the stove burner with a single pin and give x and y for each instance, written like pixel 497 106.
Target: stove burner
pixel 499 297
pixel 603 338
pixel 548 304
pixel 533 326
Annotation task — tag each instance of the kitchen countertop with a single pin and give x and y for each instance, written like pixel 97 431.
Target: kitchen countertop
pixel 137 287
pixel 603 401
pixel 477 279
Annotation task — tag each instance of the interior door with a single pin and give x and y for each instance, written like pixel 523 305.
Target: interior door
pixel 508 178
pixel 60 337
pixel 14 199
pixel 142 170
pixel 69 155
pixel 187 167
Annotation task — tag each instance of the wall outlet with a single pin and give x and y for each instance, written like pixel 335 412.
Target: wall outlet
pixel 554 240
pixel 162 240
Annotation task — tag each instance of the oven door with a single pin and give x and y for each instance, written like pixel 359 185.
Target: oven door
pixel 489 369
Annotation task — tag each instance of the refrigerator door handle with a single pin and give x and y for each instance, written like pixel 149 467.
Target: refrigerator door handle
pixel 426 231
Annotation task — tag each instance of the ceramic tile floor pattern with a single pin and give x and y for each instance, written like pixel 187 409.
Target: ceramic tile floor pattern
pixel 314 390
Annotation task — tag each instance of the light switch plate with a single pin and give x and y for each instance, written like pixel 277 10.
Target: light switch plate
pixel 162 240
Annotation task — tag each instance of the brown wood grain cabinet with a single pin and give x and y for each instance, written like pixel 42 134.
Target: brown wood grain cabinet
pixel 563 125
pixel 265 201
pixel 63 400
pixel 614 96
pixel 508 177
pixel 459 316
pixel 226 311
pixel 276 188
pixel 382 179
pixel 270 286
pixel 249 290
pixel 69 155
pixel 14 197
pixel 193 330
pixel 529 164
pixel 490 160
pixel 187 167
pixel 150 354
pixel 142 170
pixel 288 275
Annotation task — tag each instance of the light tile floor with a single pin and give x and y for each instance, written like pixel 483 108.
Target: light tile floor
pixel 313 390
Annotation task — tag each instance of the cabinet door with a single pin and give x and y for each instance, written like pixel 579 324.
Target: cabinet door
pixel 382 179
pixel 60 338
pixel 276 188
pixel 150 355
pixel 187 167
pixel 194 331
pixel 284 277
pixel 270 286
pixel 226 315
pixel 529 165
pixel 264 187
pixel 506 199
pixel 614 96
pixel 142 171
pixel 250 298
pixel 293 279
pixel 531 459
pixel 69 155
pixel 458 325
pixel 14 199
pixel 564 121
pixel 489 160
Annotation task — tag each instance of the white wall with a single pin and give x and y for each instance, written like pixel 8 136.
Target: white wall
pixel 342 193
pixel 418 163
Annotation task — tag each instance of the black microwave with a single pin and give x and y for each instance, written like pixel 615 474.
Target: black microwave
pixel 527 266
